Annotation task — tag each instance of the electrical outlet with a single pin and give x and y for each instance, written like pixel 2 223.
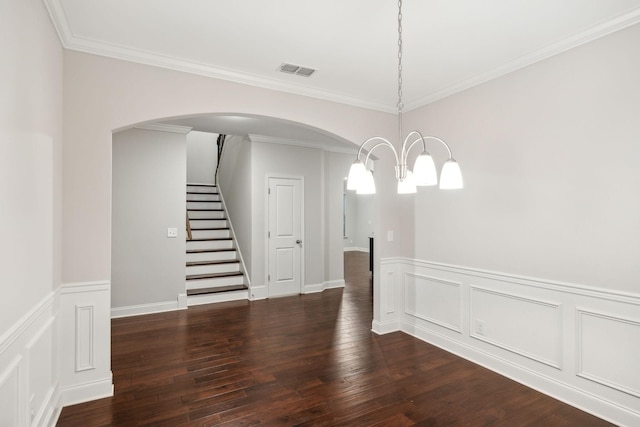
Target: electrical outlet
pixel 172 232
pixel 481 328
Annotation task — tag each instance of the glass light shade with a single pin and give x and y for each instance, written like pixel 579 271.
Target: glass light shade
pixel 408 185
pixel 424 170
pixel 450 177
pixel 357 174
pixel 368 185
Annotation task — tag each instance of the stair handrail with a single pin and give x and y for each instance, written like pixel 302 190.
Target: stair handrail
pixel 220 143
pixel 189 235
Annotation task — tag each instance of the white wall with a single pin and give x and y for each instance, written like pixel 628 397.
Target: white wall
pixel 30 194
pixel 202 157
pixel 234 180
pixel 532 270
pixel 149 196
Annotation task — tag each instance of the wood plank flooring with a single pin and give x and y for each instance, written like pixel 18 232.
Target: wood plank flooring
pixel 307 360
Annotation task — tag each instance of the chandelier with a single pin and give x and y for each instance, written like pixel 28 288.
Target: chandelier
pixel 424 169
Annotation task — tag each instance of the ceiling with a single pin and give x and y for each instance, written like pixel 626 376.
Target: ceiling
pixel 448 45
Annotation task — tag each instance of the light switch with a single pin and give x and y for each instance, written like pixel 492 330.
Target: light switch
pixel 172 232
pixel 390 236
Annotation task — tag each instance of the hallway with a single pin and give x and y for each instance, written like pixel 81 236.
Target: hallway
pixel 302 360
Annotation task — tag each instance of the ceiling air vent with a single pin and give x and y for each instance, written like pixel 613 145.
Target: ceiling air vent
pixel 297 70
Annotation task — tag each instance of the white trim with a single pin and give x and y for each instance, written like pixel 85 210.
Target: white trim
pixel 18 328
pixel 356 249
pixel 162 127
pixel 557 307
pixel 387 327
pixel 572 288
pixel 557 372
pixel 220 297
pixel 77 287
pixel 320 287
pixel 581 313
pixel 555 388
pixel 619 23
pixel 141 309
pixel 237 248
pixel 302 144
pixel 73 42
pixel 87 392
pixel 450 283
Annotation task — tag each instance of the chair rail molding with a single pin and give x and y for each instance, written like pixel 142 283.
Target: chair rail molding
pixel 575 343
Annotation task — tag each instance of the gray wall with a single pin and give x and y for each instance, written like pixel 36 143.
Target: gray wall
pixel 234 181
pixel 360 220
pixel 202 157
pixel 149 179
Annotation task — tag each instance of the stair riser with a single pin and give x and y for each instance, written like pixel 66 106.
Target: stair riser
pixel 209 234
pixel 212 256
pixel 212 283
pixel 208 223
pixel 204 205
pixel 199 189
pixel 221 244
pixel 204 197
pixel 215 268
pixel 206 214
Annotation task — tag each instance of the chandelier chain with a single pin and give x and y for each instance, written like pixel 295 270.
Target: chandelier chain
pixel 400 104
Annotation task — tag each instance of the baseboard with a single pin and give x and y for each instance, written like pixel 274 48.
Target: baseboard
pixel 576 343
pixel 330 284
pixel 545 384
pixel 156 307
pixel 80 393
pixel 219 297
pixel 356 249
pixel 382 328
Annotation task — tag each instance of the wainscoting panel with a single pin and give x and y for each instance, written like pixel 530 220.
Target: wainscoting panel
pixel 602 353
pixel 528 327
pixel 28 362
pixel 10 394
pixel 576 343
pixel 84 337
pixel 85 352
pixel 433 299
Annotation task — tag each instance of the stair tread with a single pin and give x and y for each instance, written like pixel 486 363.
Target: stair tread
pixel 216 262
pixel 209 228
pixel 207 219
pixel 214 275
pixel 201 185
pixel 210 238
pixel 203 210
pixel 202 251
pixel 215 290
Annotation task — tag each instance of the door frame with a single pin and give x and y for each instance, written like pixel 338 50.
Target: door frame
pixel 300 178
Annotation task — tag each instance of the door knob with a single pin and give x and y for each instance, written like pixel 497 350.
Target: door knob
pixel 299 242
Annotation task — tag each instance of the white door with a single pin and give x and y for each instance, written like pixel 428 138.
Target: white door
pixel 285 236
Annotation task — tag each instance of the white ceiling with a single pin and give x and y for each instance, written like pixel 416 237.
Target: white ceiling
pixel 449 45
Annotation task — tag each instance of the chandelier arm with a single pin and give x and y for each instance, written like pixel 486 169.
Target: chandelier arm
pixel 442 142
pixel 383 141
pixel 406 149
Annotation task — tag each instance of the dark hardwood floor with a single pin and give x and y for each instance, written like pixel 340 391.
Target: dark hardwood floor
pixel 304 360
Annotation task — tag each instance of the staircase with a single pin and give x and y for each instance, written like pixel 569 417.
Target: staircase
pixel 213 271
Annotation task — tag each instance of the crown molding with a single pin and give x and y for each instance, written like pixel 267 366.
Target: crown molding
pixel 73 42
pixel 162 127
pixel 302 144
pixel 604 29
